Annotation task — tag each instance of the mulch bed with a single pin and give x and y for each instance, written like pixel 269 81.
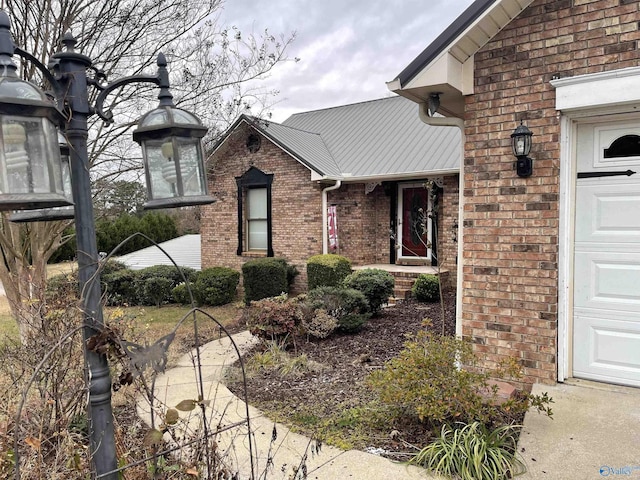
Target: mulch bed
pixel 345 361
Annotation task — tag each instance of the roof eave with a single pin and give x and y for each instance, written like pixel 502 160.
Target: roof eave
pixel 446 65
pixel 255 124
pixel 390 177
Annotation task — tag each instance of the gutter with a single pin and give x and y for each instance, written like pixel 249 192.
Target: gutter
pixel 453 122
pixel 325 228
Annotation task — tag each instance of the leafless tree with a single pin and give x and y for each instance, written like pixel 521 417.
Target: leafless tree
pixel 213 72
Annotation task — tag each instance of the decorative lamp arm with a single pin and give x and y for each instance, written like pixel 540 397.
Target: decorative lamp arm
pixel 57 88
pixel 161 79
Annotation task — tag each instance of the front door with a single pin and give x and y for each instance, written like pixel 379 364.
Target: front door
pixel 414 224
pixel 606 314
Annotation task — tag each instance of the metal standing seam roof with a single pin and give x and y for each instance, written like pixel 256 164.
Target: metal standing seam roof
pixel 378 138
pixel 184 250
pixel 308 147
pixel 382 137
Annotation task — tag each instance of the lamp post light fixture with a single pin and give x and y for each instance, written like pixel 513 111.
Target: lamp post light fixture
pixel 31 179
pixel 521 145
pixel 53 213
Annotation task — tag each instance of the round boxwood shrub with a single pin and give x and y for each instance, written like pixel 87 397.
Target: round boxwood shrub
pixel 347 305
pixel 327 270
pixel 146 296
pixel 376 285
pixel 264 278
pixel 426 288
pixel 216 286
pixel 120 287
pixel 181 294
pixel 157 290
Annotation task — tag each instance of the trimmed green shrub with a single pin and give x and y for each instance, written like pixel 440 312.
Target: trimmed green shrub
pixel 144 294
pixel 348 306
pixel 273 318
pixel 264 278
pixel 216 286
pixel 181 294
pixel 376 285
pixel 327 270
pixel 157 290
pixel 120 287
pixel 111 266
pixel 61 289
pixel 426 288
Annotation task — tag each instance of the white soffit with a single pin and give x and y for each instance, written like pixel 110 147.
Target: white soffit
pixel 451 71
pixel 616 87
pixel 479 33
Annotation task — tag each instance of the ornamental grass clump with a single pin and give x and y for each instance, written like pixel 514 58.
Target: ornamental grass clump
pixel 473 452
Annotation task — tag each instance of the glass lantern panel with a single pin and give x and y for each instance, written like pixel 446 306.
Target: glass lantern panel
pixel 18 88
pixel 30 156
pixel 155 117
pixel 193 180
pixel 180 116
pixel 160 168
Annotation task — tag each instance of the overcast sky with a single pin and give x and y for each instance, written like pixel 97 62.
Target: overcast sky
pixel 348 49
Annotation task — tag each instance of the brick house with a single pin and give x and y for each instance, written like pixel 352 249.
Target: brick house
pixel 549 266
pixel 280 189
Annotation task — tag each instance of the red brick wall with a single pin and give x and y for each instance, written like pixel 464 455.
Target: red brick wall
pixel 363 219
pixel 296 206
pixel 363 223
pixel 448 228
pixel 511 224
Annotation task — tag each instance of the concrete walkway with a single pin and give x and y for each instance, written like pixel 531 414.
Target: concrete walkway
pixel 594 433
pixel 288 449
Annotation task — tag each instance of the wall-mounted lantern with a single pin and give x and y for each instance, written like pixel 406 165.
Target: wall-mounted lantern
pixel 521 145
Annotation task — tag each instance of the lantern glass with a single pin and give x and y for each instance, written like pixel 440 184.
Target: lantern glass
pixel 30 172
pixel 29 163
pixel 173 157
pixel 521 141
pixel 174 168
pixel 53 213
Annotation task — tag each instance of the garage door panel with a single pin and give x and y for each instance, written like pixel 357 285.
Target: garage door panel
pixel 608 281
pixel 611 348
pixel 609 219
pixel 606 276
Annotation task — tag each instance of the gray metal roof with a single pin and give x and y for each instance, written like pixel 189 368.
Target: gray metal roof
pixel 184 250
pixel 306 146
pixel 380 138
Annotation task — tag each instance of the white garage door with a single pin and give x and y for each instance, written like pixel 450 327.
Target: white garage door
pixel 606 325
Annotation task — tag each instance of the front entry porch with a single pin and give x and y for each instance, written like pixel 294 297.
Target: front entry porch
pixel 405 276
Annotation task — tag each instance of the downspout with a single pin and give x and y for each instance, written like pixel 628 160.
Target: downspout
pixel 423 110
pixel 325 228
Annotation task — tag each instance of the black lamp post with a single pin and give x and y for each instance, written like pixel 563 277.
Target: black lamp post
pixel 521 145
pixel 30 179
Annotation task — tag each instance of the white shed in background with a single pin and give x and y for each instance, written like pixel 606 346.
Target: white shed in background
pixel 184 250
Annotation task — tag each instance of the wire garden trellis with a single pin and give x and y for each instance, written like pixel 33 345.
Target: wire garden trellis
pixel 199 431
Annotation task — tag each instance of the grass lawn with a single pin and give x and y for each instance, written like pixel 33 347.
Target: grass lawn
pixel 150 322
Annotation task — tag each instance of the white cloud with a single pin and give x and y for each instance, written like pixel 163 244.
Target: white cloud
pixel 347 49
